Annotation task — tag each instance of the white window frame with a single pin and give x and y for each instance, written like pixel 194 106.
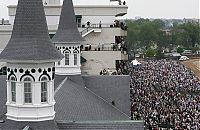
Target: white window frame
pixel 28 92
pixel 76 58
pixel 67 60
pixel 44 81
pixel 13 91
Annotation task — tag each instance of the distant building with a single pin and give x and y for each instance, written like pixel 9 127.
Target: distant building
pixel 137 17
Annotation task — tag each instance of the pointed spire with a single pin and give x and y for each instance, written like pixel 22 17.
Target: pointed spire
pixel 30 40
pixel 67 30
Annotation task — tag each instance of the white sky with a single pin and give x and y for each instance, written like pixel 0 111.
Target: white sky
pixel 143 8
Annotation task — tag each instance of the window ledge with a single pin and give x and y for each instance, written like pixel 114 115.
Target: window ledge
pixel 43 105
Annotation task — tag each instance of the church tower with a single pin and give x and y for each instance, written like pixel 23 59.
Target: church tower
pixel 67 40
pixel 30 58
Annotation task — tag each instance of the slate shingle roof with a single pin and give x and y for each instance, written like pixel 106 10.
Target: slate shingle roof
pixel 111 88
pixel 77 103
pixel 107 125
pixel 43 125
pixel 3 94
pixel 67 30
pixel 58 80
pixel 30 40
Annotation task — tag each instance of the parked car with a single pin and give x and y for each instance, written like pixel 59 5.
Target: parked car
pixel 183 58
pixel 187 52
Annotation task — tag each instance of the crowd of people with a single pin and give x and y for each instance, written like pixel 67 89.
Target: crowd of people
pixel 165 94
pixel 122 68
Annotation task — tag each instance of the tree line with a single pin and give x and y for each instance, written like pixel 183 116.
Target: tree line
pixel 153 37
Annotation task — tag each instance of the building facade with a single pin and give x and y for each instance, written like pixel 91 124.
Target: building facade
pixel 82 102
pixel 97 24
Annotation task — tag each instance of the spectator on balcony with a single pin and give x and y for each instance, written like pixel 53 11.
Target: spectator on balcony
pixel 105 72
pixel 122 26
pixel 90 47
pixel 120 2
pixel 117 24
pixel 112 46
pixel 81 47
pixel 124 3
pixel 99 47
pixel 119 46
pixel 88 24
pixel 100 24
pixel 102 47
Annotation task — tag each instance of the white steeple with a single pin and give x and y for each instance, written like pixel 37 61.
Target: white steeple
pixel 68 40
pixel 30 58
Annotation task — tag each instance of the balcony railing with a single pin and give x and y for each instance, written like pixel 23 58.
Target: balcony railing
pixel 89 27
pixel 104 47
pixel 104 25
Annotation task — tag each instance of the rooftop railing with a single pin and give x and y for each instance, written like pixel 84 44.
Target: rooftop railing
pixel 104 47
pixel 89 27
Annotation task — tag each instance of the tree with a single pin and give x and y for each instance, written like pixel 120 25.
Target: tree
pixel 180 50
pixel 150 52
pixel 158 23
pixel 159 54
pixel 147 34
pixel 187 35
pixel 143 32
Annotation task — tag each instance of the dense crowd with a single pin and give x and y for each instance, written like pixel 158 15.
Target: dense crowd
pixel 165 94
pixel 122 68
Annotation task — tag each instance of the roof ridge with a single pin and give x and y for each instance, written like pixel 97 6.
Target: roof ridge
pixel 60 85
pixel 102 99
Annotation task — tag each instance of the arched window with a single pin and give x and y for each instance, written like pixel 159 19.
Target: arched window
pixel 66 58
pixel 13 89
pixel 75 58
pixel 44 89
pixel 27 90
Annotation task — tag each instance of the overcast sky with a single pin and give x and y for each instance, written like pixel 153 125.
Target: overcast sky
pixel 143 8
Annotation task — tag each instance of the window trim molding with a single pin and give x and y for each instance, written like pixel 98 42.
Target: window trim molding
pixel 11 92
pixel 47 89
pixel 65 53
pixel 76 53
pixel 31 82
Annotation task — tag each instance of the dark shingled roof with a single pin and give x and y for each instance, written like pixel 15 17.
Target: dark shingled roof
pixel 77 108
pixel 58 80
pixel 78 79
pixel 102 125
pixel 67 30
pixel 3 94
pixel 30 40
pixel 111 88
pixel 77 103
pixel 43 125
